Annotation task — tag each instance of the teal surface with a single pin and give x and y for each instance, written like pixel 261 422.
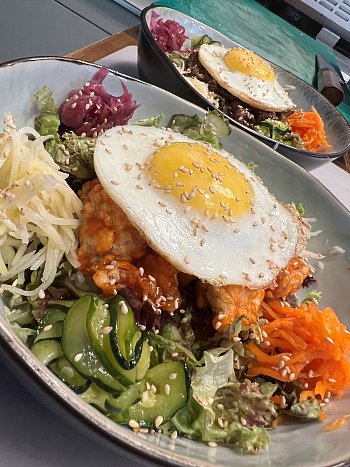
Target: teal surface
pixel 255 27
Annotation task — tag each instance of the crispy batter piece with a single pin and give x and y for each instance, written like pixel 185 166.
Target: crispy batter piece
pixel 289 280
pixel 106 230
pixel 232 301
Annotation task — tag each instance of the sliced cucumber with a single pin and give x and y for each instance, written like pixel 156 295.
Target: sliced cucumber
pixel 52 316
pixel 47 350
pixel 217 123
pixel 97 397
pixel 50 331
pixel 119 406
pixel 77 347
pixel 50 327
pixel 69 375
pixel 98 328
pixel 162 393
pixel 126 340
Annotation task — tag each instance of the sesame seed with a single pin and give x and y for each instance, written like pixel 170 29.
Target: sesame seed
pixel 73 106
pixel 142 327
pixel 175 354
pixel 310 374
pixel 332 380
pixel 41 294
pixel 183 320
pixel 173 435
pixel 187 259
pixel 78 357
pixel 220 407
pixel 167 389
pixel 107 330
pixel 173 376
pixel 217 325
pixel 264 334
pixel 144 396
pixel 158 421
pixel 141 271
pixel 330 340
pixel 281 364
pixel 284 372
pixel 212 444
pixel 243 421
pixel 47 328
pixel 306 385
pixel 236 339
pixel 291 376
pixel 123 308
pixel 133 424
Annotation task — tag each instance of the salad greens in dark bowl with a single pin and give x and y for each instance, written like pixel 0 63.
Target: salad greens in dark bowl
pixel 168 57
pixel 142 372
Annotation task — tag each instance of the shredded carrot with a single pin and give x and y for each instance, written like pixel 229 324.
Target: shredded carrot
pixel 310 127
pixel 338 423
pixel 305 344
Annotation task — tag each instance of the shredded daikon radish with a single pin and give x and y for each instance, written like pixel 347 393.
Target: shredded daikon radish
pixel 39 212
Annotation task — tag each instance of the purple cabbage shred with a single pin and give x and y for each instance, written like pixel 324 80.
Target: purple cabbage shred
pixel 169 34
pixel 92 109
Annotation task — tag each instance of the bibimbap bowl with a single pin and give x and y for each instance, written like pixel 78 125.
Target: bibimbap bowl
pixel 155 67
pixel 292 443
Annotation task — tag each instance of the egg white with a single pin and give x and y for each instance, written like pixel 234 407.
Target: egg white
pixel 264 95
pixel 249 252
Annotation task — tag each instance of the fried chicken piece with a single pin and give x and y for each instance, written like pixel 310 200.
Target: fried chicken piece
pixel 289 280
pixel 232 301
pixel 106 230
pixel 156 283
pixel 112 275
pixel 163 277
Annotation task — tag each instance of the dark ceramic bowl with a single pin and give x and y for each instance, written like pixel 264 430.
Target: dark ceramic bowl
pixel 155 67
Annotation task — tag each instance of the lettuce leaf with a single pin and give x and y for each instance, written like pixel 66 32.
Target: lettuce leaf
pixel 200 423
pixel 48 121
pixel 72 153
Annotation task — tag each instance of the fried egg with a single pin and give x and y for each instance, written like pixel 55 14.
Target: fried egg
pixel 199 207
pixel 245 75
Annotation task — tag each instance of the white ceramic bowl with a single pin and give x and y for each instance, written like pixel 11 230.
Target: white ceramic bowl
pixel 292 444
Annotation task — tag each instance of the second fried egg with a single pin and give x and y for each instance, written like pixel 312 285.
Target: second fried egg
pixel 246 76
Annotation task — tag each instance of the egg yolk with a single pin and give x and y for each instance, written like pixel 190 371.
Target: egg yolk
pixel 249 64
pixel 200 177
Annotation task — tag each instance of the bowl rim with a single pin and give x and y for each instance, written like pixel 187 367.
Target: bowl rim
pixel 146 30
pixel 71 403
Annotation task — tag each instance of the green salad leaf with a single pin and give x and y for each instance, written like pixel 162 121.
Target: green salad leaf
pixel 48 121
pixel 208 129
pixel 151 121
pixel 72 153
pixel 306 410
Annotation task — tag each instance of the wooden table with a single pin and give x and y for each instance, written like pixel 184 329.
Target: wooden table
pixel 107 46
